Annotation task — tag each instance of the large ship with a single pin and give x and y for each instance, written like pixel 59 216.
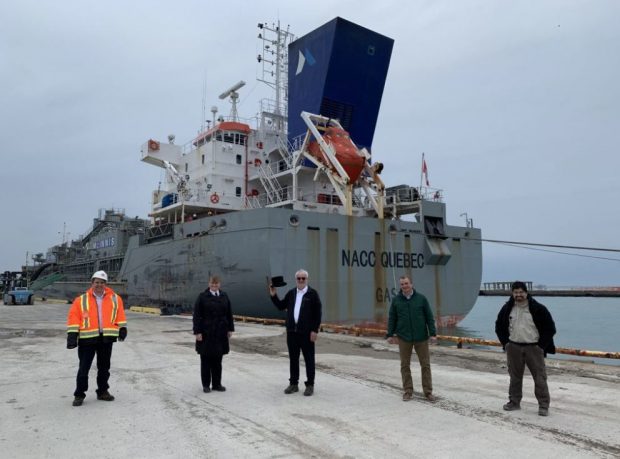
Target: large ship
pixel 299 189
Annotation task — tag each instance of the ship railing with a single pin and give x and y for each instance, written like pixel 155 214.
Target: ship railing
pixel 432 194
pixel 158 231
pixel 189 146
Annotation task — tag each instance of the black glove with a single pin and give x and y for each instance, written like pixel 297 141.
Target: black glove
pixel 72 340
pixel 122 334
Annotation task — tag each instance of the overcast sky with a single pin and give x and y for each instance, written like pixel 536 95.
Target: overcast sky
pixel 515 103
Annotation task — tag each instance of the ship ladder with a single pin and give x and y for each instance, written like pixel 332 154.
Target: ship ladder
pixel 271 185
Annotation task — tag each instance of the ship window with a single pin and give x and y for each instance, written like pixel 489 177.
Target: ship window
pixel 203 159
pixel 314 228
pixel 185 167
pixel 238 191
pixel 229 137
pixel 218 136
pixel 238 158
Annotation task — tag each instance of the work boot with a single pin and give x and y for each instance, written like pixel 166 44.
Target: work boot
pixel 407 396
pixel 430 397
pixel 542 411
pixel 309 390
pixel 78 400
pixel 206 390
pixel 219 388
pixel 105 396
pixel 512 406
pixel 291 388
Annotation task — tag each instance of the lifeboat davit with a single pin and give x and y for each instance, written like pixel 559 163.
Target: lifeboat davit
pixel 346 152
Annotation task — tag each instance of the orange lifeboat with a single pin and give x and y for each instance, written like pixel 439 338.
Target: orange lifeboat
pixel 346 152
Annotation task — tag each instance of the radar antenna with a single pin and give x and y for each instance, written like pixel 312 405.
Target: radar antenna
pixel 234 96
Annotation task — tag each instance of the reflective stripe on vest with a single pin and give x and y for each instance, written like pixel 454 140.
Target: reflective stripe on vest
pixel 114 308
pixel 85 318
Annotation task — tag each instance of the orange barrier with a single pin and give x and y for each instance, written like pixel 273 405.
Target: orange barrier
pixel 459 340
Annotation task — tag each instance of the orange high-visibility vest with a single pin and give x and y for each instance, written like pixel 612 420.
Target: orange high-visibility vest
pixel 83 317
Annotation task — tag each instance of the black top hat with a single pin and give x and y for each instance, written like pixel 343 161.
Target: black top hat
pixel 278 281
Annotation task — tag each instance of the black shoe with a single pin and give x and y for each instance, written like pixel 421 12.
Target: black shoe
pixel 291 388
pixel 105 396
pixel 78 400
pixel 309 391
pixel 512 406
pixel 219 388
pixel 206 390
pixel 542 411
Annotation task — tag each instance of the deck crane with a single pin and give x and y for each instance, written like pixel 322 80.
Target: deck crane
pixel 180 180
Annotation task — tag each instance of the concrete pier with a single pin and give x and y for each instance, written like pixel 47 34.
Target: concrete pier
pixel 160 410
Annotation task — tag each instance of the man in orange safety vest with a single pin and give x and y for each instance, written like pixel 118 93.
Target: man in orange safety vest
pixel 96 320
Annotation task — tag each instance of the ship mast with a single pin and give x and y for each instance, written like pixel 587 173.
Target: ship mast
pixel 274 63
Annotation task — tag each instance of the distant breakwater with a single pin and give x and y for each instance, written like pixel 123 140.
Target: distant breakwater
pixel 577 292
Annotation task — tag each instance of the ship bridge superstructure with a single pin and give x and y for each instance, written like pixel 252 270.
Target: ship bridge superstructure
pixel 238 164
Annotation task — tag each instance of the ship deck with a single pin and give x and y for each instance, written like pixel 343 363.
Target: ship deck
pixel 356 411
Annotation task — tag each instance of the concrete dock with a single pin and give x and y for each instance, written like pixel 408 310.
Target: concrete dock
pixel 160 410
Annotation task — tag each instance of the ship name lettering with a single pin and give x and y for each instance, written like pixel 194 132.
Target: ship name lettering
pixel 103 243
pixel 368 258
pixel 385 295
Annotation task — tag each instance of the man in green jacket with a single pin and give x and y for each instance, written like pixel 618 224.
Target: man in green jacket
pixel 410 325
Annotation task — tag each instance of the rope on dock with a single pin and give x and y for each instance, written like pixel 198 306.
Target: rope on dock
pixel 459 340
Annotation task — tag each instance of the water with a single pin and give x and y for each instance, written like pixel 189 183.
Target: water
pixel 582 323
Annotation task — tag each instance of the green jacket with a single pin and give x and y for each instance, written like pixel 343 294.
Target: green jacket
pixel 411 319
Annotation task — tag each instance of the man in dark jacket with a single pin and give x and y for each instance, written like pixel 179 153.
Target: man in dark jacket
pixel 525 328
pixel 213 326
pixel 303 320
pixel 410 325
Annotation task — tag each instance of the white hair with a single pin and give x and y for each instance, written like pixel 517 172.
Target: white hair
pixel 303 272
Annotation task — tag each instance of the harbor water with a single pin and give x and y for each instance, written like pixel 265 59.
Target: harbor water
pixel 582 323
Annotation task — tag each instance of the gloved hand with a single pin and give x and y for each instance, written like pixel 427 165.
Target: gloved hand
pixel 72 340
pixel 122 333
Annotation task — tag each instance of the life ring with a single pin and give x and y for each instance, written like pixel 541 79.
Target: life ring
pixel 257 162
pixel 215 198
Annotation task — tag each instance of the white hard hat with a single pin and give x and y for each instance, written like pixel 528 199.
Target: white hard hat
pixel 100 275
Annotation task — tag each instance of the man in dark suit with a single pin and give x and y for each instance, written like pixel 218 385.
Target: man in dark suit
pixel 303 319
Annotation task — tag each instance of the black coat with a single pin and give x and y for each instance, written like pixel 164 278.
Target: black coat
pixel 309 313
pixel 542 319
pixel 213 318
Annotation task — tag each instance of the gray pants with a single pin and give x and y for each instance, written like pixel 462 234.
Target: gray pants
pixel 518 356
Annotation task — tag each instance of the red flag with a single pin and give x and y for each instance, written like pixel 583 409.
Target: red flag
pixel 425 172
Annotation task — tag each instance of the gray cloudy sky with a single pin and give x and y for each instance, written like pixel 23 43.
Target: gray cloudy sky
pixel 515 103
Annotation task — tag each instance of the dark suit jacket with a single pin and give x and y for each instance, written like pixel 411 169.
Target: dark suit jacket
pixel 309 314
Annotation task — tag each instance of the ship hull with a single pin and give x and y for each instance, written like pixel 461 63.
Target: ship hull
pixel 68 290
pixel 354 262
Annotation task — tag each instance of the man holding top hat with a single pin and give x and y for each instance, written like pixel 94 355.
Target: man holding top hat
pixel 303 320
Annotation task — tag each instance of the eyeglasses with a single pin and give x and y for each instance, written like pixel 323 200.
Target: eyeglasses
pixel 301 278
